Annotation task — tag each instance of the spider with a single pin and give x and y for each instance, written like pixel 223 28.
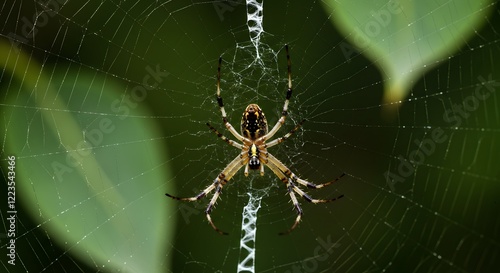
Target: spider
pixel 254 154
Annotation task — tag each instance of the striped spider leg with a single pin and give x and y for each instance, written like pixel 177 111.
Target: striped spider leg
pixel 254 154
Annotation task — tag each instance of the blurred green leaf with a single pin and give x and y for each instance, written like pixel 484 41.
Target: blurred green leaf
pixel 88 164
pixel 406 38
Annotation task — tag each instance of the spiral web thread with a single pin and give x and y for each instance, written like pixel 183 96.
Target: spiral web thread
pixel 249 216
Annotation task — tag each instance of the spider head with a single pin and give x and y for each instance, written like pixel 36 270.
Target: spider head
pixel 253 122
pixel 253 154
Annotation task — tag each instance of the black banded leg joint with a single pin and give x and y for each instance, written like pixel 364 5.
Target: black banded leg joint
pixel 218 67
pixel 289 93
pixel 209 209
pixel 219 101
pixel 201 195
pixel 299 210
pixel 290 186
pixel 307 197
pixel 311 185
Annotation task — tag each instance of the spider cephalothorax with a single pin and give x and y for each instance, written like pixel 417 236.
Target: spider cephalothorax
pixel 254 160
pixel 254 154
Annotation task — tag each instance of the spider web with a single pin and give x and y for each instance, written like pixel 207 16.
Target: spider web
pixel 116 94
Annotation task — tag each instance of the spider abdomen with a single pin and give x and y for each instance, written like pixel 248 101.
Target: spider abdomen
pixel 254 154
pixel 253 122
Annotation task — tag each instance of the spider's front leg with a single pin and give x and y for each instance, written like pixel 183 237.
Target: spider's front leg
pixel 289 179
pixel 289 187
pixel 285 170
pixel 218 184
pixel 218 191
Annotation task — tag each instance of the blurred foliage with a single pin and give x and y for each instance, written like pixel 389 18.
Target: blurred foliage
pixel 406 38
pixel 68 74
pixel 64 130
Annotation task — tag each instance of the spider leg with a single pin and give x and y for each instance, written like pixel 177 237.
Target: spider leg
pixel 297 207
pixel 221 106
pixel 247 168
pixel 218 184
pixel 309 198
pixel 292 188
pixel 276 166
pixel 285 137
pixel 229 171
pixel 212 204
pixel 227 140
pixel 284 112
pixel 289 187
pixel 294 177
pixel 199 196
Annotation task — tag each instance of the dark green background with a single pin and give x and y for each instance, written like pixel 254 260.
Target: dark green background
pixel 448 207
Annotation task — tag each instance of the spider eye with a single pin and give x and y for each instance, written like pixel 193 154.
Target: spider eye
pixel 254 163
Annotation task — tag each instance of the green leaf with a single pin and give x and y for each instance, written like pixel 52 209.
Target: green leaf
pixel 90 166
pixel 406 38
